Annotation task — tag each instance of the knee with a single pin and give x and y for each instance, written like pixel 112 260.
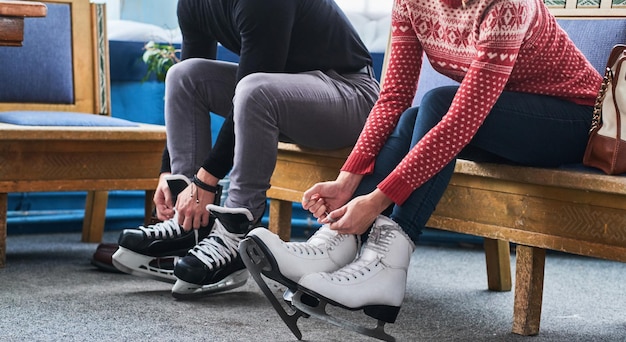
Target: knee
pixel 178 71
pixel 182 73
pixel 436 103
pixel 254 90
pixel 408 117
pixel 438 99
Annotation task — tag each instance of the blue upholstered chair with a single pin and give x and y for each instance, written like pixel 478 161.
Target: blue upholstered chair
pixel 56 132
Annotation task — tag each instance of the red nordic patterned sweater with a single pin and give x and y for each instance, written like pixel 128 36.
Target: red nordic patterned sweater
pixel 489 46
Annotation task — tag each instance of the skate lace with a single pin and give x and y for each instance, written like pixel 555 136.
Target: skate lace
pixel 329 238
pixel 163 230
pixel 377 245
pixel 218 248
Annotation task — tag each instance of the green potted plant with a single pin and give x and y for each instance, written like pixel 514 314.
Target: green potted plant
pixel 159 58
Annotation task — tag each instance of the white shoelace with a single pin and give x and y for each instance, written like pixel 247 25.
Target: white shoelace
pixel 163 230
pixel 214 253
pixel 374 250
pixel 329 239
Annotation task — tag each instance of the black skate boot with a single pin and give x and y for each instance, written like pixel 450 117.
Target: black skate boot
pixel 214 265
pixel 153 251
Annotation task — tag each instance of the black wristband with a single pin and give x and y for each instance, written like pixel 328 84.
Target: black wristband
pixel 204 186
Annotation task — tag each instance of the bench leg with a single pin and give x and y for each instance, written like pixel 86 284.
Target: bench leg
pixel 280 218
pixel 149 217
pixel 498 259
pixel 3 229
pixel 95 214
pixel 529 274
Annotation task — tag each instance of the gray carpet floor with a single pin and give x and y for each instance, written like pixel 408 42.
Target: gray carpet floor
pixel 50 292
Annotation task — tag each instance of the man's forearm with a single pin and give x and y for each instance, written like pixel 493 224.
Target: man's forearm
pixel 220 160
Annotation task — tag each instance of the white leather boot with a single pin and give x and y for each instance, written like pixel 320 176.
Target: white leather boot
pixel 375 281
pixel 325 251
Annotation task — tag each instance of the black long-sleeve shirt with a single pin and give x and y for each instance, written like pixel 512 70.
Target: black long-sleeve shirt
pixel 269 36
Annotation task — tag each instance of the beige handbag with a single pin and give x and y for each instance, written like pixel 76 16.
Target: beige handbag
pixel 606 147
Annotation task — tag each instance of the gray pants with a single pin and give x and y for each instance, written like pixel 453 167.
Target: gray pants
pixel 323 110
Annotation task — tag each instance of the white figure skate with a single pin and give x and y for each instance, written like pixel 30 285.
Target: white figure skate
pixel 263 252
pixel 375 282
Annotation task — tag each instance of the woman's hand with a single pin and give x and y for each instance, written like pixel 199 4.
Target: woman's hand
pixel 358 215
pixel 163 201
pixel 327 202
pixel 323 197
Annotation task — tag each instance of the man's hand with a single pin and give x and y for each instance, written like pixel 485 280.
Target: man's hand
pixel 191 203
pixel 163 200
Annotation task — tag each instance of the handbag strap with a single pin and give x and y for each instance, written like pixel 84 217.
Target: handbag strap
pixel 617 51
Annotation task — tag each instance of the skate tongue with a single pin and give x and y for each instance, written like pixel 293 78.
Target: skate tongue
pixel 378 240
pixel 382 220
pixel 234 220
pixel 323 236
pixel 369 254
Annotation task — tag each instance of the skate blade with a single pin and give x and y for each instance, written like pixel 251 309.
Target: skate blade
pixel 256 261
pixel 140 265
pixel 185 290
pixel 319 311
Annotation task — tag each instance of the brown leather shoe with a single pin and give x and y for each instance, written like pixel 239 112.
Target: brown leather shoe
pixel 102 257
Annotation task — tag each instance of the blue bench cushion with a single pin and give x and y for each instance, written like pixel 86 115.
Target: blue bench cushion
pixel 35 118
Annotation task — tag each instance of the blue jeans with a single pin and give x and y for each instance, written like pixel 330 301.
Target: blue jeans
pixel 523 129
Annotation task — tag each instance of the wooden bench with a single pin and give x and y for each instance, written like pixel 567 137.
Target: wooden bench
pixel 579 210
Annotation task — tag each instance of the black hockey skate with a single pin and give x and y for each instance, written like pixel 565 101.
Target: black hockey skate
pixel 153 251
pixel 214 264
